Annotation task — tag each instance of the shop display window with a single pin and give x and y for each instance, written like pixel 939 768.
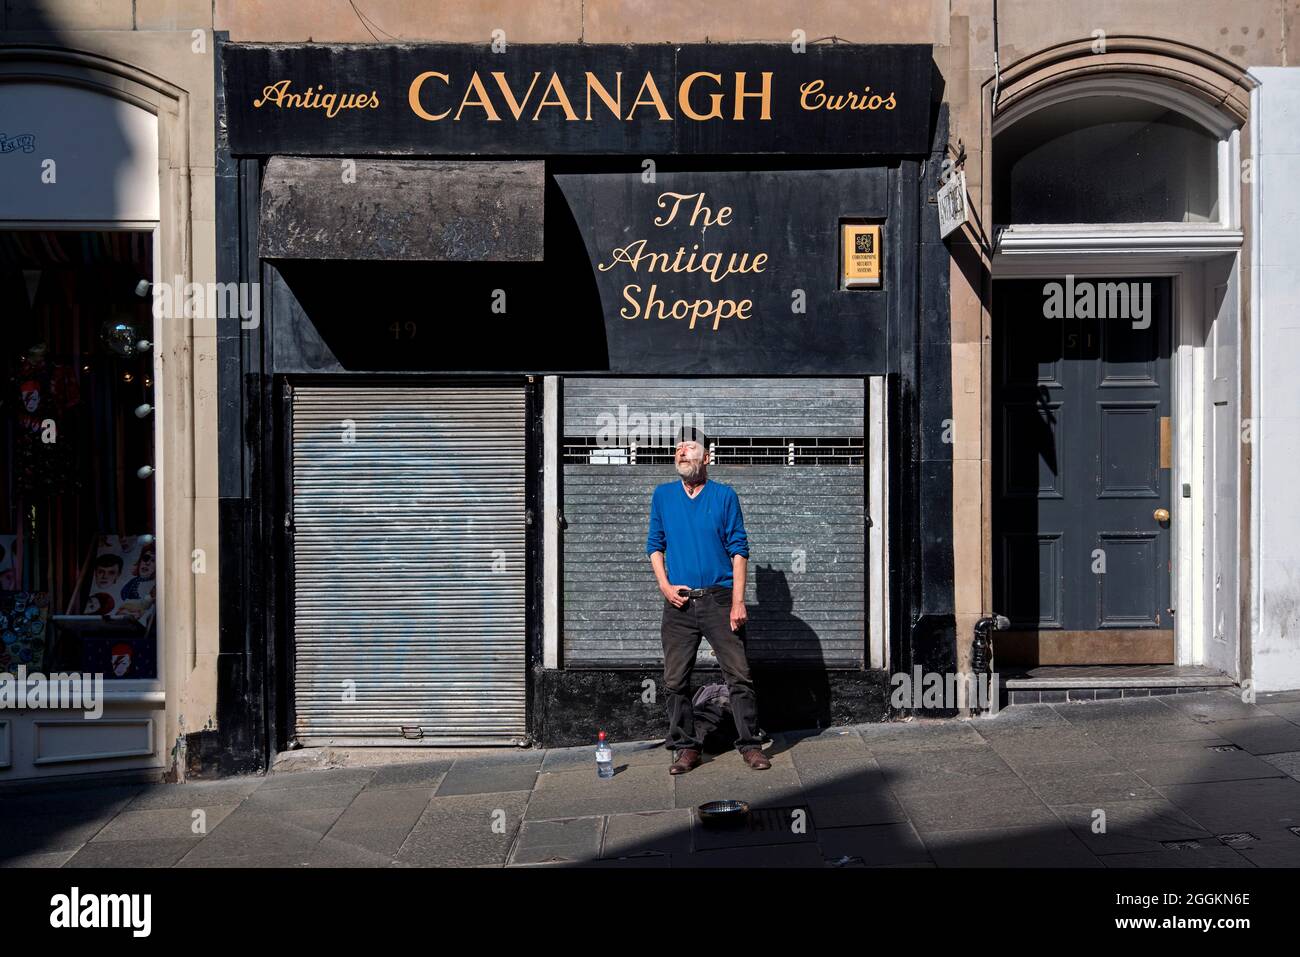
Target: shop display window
pixel 79 586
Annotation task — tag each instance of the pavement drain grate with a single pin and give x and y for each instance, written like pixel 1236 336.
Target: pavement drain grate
pixel 1240 839
pixel 768 820
pixel 1224 748
pixel 1181 845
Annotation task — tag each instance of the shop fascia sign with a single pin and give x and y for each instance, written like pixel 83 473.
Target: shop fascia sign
pixel 600 99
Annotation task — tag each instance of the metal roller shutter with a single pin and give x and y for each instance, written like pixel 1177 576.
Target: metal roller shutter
pixel 408 575
pixel 806 522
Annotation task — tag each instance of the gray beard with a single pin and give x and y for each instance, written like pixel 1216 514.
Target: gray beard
pixel 691 473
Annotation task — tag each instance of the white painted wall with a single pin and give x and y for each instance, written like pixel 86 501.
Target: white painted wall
pixel 1275 360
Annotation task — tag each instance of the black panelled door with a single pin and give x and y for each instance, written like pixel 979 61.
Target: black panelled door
pixel 1082 455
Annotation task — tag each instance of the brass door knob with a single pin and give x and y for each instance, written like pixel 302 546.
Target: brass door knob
pixel 1161 515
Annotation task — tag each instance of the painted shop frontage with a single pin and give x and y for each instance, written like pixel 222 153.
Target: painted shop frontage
pixel 961 356
pixel 107 614
pixel 493 286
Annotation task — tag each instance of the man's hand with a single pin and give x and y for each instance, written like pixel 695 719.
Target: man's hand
pixel 670 592
pixel 738 614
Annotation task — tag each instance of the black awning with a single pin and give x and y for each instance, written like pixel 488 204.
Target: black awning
pixel 400 209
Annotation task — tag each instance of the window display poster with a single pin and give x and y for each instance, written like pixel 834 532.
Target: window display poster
pixel 122 580
pixel 24 621
pixel 117 657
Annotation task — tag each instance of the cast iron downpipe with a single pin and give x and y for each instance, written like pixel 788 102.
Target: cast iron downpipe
pixel 981 653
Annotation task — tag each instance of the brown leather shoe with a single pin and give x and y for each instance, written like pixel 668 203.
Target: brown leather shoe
pixel 687 758
pixel 756 759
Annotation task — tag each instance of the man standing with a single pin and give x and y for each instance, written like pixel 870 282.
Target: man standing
pixel 699 551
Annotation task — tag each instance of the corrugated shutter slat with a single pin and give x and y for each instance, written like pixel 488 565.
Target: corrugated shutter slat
pixel 409 564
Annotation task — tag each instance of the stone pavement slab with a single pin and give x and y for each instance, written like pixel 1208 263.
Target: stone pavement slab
pixel 1044 846
pixel 564 794
pixel 1290 710
pixel 465 830
pixel 1045 746
pixel 1085 786
pixel 1207 856
pixel 992 807
pixel 256 838
pixel 145 853
pixel 787 855
pixel 163 823
pixel 385 808
pixel 303 798
pixel 1273 849
pixel 921 735
pixel 478 777
pixel 1204 767
pixel 771 788
pixel 1130 827
pixel 222 791
pixel 1288 762
pixel 856 810
pixel 329 778
pixel 646 833
pixel 417 774
pixel 333 852
pixel 1260 734
pixel 568 841
pixel 1269 804
pixel 943 771
pixel 875 845
pixel 1213 706
pixel 631 754
pixel 41 859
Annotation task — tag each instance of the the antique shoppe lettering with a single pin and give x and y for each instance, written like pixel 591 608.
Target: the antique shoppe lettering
pixel 688 209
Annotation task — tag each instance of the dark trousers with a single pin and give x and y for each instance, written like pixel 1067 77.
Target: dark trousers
pixel 708 616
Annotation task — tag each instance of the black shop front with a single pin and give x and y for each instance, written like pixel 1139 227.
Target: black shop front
pixel 492 284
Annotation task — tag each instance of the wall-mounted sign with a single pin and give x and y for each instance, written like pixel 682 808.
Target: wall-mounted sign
pixel 953 211
pixel 730 272
pixel 577 99
pixel 861 266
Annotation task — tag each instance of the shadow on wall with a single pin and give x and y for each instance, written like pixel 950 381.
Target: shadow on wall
pixel 70 151
pixel 803 698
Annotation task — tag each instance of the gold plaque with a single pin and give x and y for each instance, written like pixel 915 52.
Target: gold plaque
pixel 861 265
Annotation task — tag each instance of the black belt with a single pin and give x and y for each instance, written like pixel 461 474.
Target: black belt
pixel 701 592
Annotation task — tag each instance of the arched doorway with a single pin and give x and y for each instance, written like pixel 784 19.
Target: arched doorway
pixel 1113 367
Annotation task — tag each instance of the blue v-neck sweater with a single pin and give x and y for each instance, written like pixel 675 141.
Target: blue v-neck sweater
pixel 698 536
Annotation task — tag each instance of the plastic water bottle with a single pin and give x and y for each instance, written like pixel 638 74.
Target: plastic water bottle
pixel 604 758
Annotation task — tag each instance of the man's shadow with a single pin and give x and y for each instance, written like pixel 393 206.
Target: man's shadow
pixel 787 664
